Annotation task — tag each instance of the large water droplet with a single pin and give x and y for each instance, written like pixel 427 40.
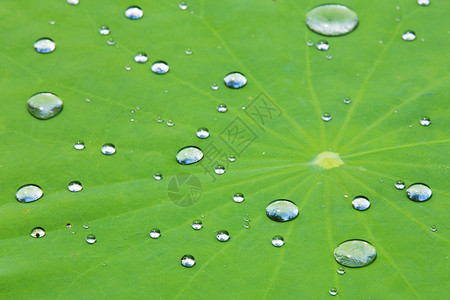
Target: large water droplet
pixel 326 117
pixel 75 186
pixel 425 121
pixel 333 291
pixel 219 170
pixel 44 45
pixel 197 224
pixel 409 35
pixel 238 197
pixel 423 2
pixel 355 253
pixel 203 133
pixel 160 67
pixel 360 203
pixel 108 149
pixel 222 235
pixel 29 193
pixel 91 239
pixel 278 241
pixel 155 233
pixel 235 80
pixel 222 108
pixel 189 155
pixel 37 232
pixel 141 58
pixel 158 176
pixel 188 261
pixel 331 19
pixel 282 210
pixel 79 145
pixel 400 185
pixel 44 106
pixel 104 30
pixel 134 12
pixel 418 192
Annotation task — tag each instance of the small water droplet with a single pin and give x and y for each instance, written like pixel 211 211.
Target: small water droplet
pixel 331 19
pixel 347 100
pixel 52 22
pixel 219 170
pixel 345 196
pixel 232 158
pixel 158 176
pixel 418 192
pixel 188 261
pixel 310 43
pixel 197 224
pixel 238 197
pixel 400 185
pixel 425 121
pixel 68 225
pixel 86 226
pixel 37 232
pixel 423 2
pixel 29 193
pixel 188 51
pixel 108 149
pixel 134 13
pixel 183 5
pixel 329 57
pixel 111 41
pixel 141 57
pixel 222 108
pixel 246 225
pixel 341 271
pixel 189 155
pixel 282 210
pixel 222 235
pixel 326 117
pixel 361 203
pixel 323 45
pixel 215 86
pixel 75 186
pixel 73 2
pixel 159 120
pixel 433 228
pixel 104 30
pixel 127 68
pixel 91 239
pixel 409 35
pixel 355 253
pixel 333 291
pixel 155 233
pixel 235 80
pixel 160 67
pixel 79 145
pixel 203 133
pixel 278 241
pixel 44 106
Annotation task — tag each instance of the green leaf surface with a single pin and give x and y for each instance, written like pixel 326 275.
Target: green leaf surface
pixel 392 84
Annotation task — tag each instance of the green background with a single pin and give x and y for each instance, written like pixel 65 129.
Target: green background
pixel 392 85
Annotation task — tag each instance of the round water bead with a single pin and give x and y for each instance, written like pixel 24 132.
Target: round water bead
pixel 360 203
pixel 235 80
pixel 340 271
pixel 111 41
pixel 188 51
pixel 425 121
pixel 44 45
pixel 37 232
pixel 203 132
pixel 222 235
pixel 91 239
pixel 108 149
pixel 333 291
pixel 134 13
pixel 409 35
pixel 238 197
pixel 86 226
pixel 188 261
pixel 160 67
pixel 155 233
pixel 232 158
pixel 215 86
pixel 79 145
pixel 44 106
pixel 141 58
pixel 282 210
pixel 400 185
pixel 326 117
pixel 433 228
pixel 104 30
pixel 419 192
pixel 170 123
pixel 73 2
pixel 197 224
pixel 29 193
pixel 75 186
pixel 423 2
pixel 355 253
pixel 347 100
pixel 331 19
pixel 222 108
pixel 157 176
pixel 189 155
pixel 278 241
pixel 219 170
pixel 183 5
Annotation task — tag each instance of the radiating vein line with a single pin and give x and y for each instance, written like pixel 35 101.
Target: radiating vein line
pixel 21 66
pixel 395 163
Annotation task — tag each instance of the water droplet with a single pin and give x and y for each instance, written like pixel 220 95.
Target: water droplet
pixel 29 193
pixel 158 176
pixel 189 155
pixel 88 100
pixel 326 117
pixel 73 2
pixel 433 228
pixel 247 218
pixel 400 185
pixel 282 210
pixel 215 86
pixel 219 170
pixel 278 241
pixel 360 203
pixel 238 197
pixel 423 2
pixel 108 149
pixel 222 108
pixel 418 192
pixel 52 22
pixel 355 253
pixel 341 271
pixel 409 35
pixel 331 19
pixel 155 233
pixel 75 186
pixel 333 291
pixel 328 57
pixel 322 45
pixel 127 68
pixel 37 232
pixel 197 224
pixel 222 235
pixel 183 5
pixel 310 43
pixel 104 30
pixel 44 106
pixel 188 51
pixel 86 226
pixel 232 158
pixel 425 121
pixel 235 80
pixel 91 239
pixel 141 58
pixel 134 13
pixel 79 145
pixel 160 67
pixel 188 261
pixel 203 133
pixel 111 41
pixel 159 120
pixel 347 100
pixel 68 225
pixel 246 225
